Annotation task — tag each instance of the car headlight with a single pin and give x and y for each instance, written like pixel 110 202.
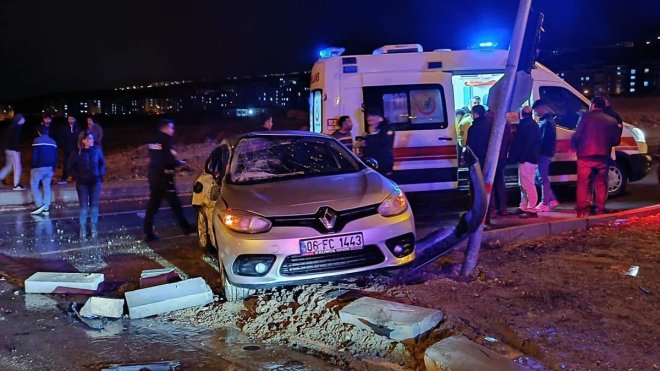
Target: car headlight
pixel 244 222
pixel 395 204
pixel 638 135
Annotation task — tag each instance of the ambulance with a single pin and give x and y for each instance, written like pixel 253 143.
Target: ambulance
pixel 419 93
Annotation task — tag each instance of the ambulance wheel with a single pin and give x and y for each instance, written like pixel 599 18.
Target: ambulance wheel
pixel 617 179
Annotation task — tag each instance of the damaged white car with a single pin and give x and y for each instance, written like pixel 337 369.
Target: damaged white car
pixel 292 207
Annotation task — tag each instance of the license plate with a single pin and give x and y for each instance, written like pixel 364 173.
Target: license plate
pixel 347 242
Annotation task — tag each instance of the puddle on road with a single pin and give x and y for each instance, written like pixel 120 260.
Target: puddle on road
pixel 38 334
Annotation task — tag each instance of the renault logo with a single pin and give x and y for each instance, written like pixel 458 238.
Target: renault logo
pixel 328 218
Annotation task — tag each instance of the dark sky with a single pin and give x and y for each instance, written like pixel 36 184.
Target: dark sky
pixel 52 46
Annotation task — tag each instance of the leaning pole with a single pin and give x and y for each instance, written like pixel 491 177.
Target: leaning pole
pixel 474 241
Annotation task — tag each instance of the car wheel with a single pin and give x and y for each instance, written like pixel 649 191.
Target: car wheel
pixel 203 235
pixel 233 293
pixel 617 179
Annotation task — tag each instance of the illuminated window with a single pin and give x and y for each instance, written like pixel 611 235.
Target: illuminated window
pixel 633 71
pixel 646 70
pixel 632 90
pixel 632 83
pixel 587 78
pixel 646 83
pixel 632 77
pixel 618 73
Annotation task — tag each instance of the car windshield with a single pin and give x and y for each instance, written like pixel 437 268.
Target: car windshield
pixel 268 158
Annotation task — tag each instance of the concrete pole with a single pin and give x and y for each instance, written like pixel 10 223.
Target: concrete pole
pixel 474 242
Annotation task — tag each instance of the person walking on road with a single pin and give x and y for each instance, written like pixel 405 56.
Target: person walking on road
pixel 87 165
pixel 548 129
pixel 525 152
pixel 68 141
pixel 596 134
pixel 162 168
pixel 13 152
pixel 44 162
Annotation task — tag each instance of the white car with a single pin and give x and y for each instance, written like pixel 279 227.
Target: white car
pixel 289 207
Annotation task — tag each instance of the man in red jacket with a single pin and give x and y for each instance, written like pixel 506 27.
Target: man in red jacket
pixel 596 134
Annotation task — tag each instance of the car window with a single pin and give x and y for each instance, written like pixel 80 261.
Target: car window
pixel 566 105
pixel 269 158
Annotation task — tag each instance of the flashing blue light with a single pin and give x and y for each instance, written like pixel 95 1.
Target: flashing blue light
pixel 487 44
pixel 331 52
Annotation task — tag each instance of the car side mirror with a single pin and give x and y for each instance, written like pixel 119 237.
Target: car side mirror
pixel 371 162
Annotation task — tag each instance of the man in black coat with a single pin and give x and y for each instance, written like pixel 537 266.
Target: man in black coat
pixel 13 152
pixel 161 172
pixel 68 141
pixel 379 142
pixel 548 129
pixel 525 152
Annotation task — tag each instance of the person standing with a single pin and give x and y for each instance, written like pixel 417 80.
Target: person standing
pixel 479 133
pixel 87 165
pixel 44 162
pixel 13 152
pixel 548 129
pixel 264 122
pixel 499 198
pixel 524 151
pixel 596 134
pixel 96 129
pixel 46 120
pixel 162 165
pixel 379 142
pixel 343 133
pixel 68 141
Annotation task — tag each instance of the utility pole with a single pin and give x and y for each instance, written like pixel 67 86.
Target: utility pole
pixel 495 141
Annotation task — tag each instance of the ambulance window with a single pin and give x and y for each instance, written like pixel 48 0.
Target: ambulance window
pixel 409 107
pixel 566 105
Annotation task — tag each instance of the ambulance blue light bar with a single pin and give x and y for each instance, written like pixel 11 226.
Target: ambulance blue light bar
pixel 487 44
pixel 331 52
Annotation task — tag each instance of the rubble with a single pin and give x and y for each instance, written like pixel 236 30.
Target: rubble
pixel 103 307
pixel 56 282
pixel 459 353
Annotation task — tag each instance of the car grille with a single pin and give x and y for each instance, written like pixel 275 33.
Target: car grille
pixel 296 264
pixel 313 220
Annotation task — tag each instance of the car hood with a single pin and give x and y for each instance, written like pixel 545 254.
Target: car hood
pixel 306 195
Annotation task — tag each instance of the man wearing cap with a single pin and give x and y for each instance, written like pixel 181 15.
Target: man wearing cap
pixel 13 152
pixel 44 162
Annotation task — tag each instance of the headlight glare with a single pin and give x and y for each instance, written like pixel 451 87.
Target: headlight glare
pixel 244 222
pixel 394 204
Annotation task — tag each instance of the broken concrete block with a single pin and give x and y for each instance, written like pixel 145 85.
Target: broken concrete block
pixel 394 320
pixel 166 298
pixel 155 277
pixel 103 307
pixel 460 354
pixel 154 366
pixel 53 282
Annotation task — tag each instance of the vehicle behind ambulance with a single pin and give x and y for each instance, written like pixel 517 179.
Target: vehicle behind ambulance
pixel 419 93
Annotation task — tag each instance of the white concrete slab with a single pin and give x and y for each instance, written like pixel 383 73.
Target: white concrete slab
pixel 103 307
pixel 458 353
pixel 166 298
pixel 394 320
pixel 49 282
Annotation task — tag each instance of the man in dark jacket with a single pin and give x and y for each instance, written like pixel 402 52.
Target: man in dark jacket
pixel 479 133
pixel 44 162
pixel 525 152
pixel 68 141
pixel 161 172
pixel 379 142
pixel 548 129
pixel 499 199
pixel 13 152
pixel 596 134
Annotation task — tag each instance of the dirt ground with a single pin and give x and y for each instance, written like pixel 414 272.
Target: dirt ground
pixel 585 300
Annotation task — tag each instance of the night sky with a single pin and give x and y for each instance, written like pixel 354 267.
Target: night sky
pixel 54 46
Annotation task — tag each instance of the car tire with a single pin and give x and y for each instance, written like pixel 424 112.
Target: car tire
pixel 203 235
pixel 617 179
pixel 231 292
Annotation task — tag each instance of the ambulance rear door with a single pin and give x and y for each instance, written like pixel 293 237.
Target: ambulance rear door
pixel 418 104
